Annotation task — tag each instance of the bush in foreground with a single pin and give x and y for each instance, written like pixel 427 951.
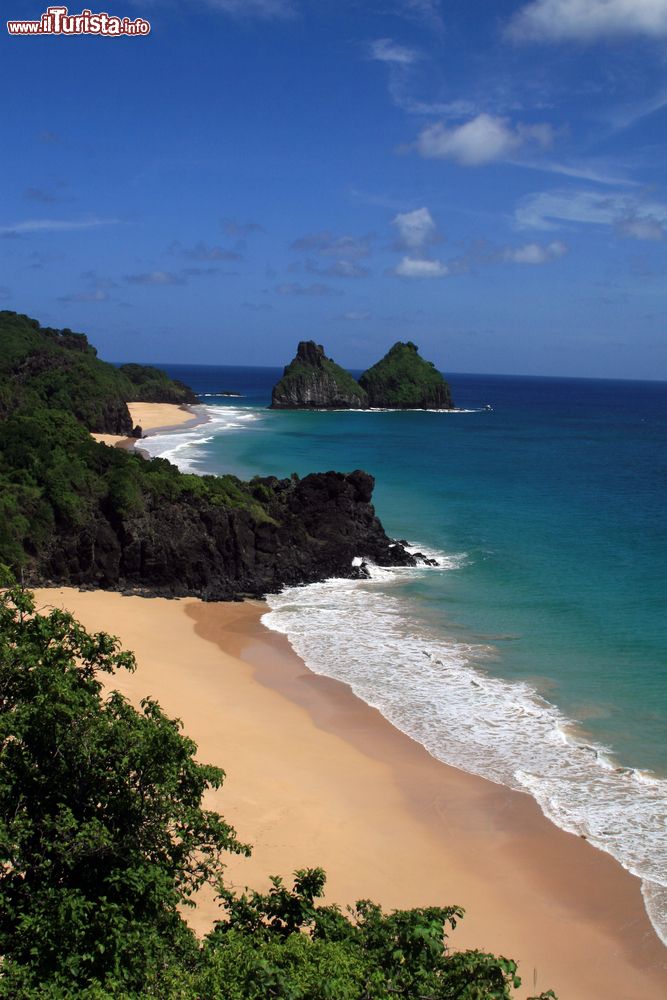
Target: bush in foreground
pixel 103 839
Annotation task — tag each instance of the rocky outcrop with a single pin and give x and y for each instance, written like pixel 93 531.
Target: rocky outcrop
pixel 312 530
pixel 314 382
pixel 403 380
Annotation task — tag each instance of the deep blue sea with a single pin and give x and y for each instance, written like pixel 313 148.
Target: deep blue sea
pixel 536 654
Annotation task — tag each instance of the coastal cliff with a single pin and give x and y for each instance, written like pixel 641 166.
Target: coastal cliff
pixel 299 531
pixel 404 380
pixel 73 511
pixel 313 381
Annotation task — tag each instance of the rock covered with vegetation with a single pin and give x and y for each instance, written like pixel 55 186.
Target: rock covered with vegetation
pixel 404 380
pixel 105 839
pixel 57 369
pixel 312 381
pixel 152 385
pixel 76 512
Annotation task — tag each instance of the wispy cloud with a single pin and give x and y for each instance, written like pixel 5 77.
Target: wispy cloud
pixel 402 62
pixel 588 20
pixel 180 277
pixel 337 269
pixel 629 215
pixel 98 295
pixel 203 251
pixel 641 228
pixel 598 173
pixel 239 230
pixel 417 267
pixel 484 139
pixel 54 225
pixel 326 244
pixel 386 51
pixel 41 195
pixel 425 11
pixel 534 253
pixel 258 306
pixel 315 290
pixel 355 316
pixel 155 278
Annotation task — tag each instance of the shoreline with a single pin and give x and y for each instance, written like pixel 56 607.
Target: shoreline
pixel 155 418
pixel 317 777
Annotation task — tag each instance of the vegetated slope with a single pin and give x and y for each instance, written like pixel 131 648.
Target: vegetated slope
pixel 313 381
pixel 152 385
pixel 404 380
pixel 76 512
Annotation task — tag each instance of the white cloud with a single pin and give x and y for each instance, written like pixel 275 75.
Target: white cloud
pixel 386 51
pixel 418 267
pixel 628 215
pixel 483 139
pixel 588 20
pixel 535 253
pixel 416 229
pixel 54 225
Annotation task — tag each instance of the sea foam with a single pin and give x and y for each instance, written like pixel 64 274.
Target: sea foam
pixel 182 446
pixel 436 689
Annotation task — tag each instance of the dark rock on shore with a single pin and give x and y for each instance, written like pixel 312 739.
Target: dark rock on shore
pixel 314 529
pixel 313 381
pixel 403 380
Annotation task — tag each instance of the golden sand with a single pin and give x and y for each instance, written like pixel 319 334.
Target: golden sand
pixel 316 777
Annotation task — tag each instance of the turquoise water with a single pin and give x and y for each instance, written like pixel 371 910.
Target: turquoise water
pixel 538 654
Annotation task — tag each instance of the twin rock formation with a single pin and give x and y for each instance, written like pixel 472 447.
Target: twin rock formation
pixel 402 380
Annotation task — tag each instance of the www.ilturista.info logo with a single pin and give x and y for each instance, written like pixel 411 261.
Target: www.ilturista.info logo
pixel 58 21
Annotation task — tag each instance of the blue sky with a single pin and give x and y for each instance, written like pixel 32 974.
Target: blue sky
pixel 485 178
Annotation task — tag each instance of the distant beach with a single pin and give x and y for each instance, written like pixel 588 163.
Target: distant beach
pixel 154 418
pixel 316 777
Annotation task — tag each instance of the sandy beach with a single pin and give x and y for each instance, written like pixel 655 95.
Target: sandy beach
pixel 316 777
pixel 152 417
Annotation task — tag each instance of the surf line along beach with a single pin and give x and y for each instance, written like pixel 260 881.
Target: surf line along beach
pixel 317 777
pixel 153 418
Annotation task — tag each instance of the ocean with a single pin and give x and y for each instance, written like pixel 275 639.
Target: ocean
pixel 535 655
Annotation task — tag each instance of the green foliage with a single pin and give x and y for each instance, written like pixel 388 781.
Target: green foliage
pixel 54 479
pixel 152 385
pixel 59 369
pixel 102 832
pixel 403 379
pixel 103 840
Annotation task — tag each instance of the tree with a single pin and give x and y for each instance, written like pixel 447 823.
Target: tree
pixel 102 832
pixel 103 839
